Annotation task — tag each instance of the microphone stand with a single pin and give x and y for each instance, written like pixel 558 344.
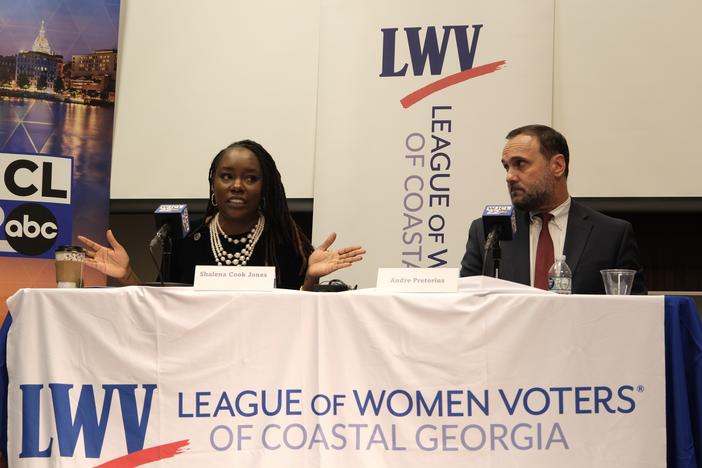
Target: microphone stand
pixel 496 257
pixel 164 268
pixel 492 245
pixel 165 238
pixel 166 259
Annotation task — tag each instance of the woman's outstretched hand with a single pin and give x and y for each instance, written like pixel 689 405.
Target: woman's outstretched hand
pixel 112 261
pixel 324 261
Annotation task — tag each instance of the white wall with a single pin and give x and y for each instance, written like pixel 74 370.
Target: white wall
pixel 627 95
pixel 195 76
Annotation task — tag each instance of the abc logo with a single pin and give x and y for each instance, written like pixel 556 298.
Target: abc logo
pixel 30 229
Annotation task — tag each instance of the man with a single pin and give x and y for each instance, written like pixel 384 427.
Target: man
pixel 536 159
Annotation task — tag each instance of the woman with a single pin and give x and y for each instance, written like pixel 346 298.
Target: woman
pixel 247 222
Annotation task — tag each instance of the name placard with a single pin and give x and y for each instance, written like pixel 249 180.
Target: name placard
pixel 418 279
pixel 234 278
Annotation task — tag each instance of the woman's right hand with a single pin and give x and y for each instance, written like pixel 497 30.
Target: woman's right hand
pixel 112 261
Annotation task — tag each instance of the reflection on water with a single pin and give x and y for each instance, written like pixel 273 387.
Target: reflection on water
pixel 81 131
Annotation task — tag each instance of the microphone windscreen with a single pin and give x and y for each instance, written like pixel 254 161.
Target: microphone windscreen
pixel 176 216
pixel 502 217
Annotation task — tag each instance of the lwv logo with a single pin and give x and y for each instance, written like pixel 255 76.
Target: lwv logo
pixel 84 418
pixel 432 50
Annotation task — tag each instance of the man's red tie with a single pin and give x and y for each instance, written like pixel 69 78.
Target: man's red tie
pixel 544 253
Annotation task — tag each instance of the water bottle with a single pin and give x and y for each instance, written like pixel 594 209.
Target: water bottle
pixel 560 277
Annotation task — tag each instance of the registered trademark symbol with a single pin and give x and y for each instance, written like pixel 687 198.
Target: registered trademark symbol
pixel 640 388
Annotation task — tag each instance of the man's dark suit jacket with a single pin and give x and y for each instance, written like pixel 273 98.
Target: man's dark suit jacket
pixel 593 242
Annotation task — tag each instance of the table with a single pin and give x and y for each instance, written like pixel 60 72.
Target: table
pixel 488 377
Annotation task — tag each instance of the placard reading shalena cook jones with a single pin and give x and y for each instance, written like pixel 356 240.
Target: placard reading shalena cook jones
pixel 234 278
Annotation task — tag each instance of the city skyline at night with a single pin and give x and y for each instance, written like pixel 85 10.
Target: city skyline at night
pixel 74 27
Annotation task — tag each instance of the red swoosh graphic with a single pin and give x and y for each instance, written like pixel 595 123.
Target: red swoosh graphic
pixel 142 457
pixel 450 80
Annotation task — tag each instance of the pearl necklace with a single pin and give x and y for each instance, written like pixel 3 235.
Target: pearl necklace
pixel 222 257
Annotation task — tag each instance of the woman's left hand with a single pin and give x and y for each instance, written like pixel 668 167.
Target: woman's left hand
pixel 324 261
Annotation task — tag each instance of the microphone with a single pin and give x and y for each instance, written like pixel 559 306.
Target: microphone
pixel 171 222
pixel 499 223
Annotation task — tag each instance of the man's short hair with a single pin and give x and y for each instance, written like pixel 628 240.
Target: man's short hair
pixel 551 142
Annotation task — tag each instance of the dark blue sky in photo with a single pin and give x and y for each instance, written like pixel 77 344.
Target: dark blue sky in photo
pixel 72 26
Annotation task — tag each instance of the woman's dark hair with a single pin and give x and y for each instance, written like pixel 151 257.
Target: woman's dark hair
pixel 280 229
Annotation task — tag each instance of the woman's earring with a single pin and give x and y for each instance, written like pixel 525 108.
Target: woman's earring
pixel 212 199
pixel 263 203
